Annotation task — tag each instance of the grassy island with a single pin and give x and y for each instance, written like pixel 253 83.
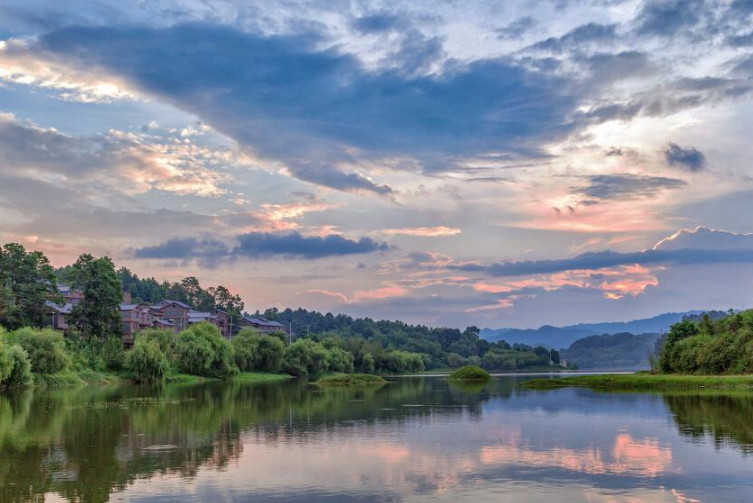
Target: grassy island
pixel 644 381
pixel 470 373
pixel 351 380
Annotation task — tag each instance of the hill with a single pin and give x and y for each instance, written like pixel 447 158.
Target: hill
pixel 560 337
pixel 617 351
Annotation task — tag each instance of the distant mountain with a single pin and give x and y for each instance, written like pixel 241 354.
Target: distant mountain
pixel 562 337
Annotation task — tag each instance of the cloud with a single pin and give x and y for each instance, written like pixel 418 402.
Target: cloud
pixel 688 158
pixel 378 23
pixel 516 29
pixel 668 17
pixel 122 162
pixel 591 32
pixel 626 187
pixel 321 112
pixel 660 255
pixel 428 232
pixel 260 245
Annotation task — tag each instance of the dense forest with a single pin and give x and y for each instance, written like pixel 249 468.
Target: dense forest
pixel 623 351
pixel 705 345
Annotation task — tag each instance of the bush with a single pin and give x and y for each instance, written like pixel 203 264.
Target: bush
pixel 6 363
pixel 20 374
pixel 339 360
pixel 269 353
pixel 304 357
pixel 113 353
pixel 245 345
pixel 201 350
pixel 147 362
pixel 470 373
pixel 45 347
pixel 166 339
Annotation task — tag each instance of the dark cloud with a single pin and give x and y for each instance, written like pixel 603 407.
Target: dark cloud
pixel 591 32
pixel 688 158
pixel 288 100
pixel 668 17
pixel 260 245
pixel 516 29
pixel 626 187
pixel 378 23
pixel 604 259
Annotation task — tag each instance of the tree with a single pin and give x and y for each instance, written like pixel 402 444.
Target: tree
pixel 147 362
pixel 98 313
pixel 27 280
pixel 201 350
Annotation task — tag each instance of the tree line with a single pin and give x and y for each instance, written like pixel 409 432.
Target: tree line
pixel 708 345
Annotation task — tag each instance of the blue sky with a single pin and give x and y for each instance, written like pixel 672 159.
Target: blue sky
pixel 449 163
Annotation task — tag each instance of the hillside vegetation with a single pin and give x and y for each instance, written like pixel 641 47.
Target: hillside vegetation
pixel 624 350
pixel 708 346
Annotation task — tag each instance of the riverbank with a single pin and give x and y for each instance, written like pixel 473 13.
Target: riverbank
pixel 351 380
pixel 94 378
pixel 644 381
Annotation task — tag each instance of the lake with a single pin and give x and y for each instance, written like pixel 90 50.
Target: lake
pixel 415 439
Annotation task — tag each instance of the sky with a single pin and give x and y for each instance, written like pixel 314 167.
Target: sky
pixel 491 163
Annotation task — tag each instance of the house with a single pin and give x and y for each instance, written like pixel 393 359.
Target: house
pixel 217 317
pixel 173 311
pixel 58 314
pixel 135 317
pixel 70 295
pixel 262 325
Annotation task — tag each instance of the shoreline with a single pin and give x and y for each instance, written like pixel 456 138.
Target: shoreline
pixel 644 381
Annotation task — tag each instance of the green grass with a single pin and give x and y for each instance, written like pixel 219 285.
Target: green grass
pixel 77 378
pixel 254 377
pixel 470 373
pixel 351 380
pixel 643 381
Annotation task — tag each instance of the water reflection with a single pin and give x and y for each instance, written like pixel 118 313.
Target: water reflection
pixel 403 442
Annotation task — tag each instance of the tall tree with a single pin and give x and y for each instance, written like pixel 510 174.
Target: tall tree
pixel 98 313
pixel 27 280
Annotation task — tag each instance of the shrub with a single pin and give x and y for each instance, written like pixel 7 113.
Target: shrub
pixel 166 339
pixel 147 362
pixel 6 363
pixel 245 345
pixel 113 353
pixel 470 373
pixel 339 360
pixel 45 347
pixel 269 353
pixel 201 350
pixel 305 356
pixel 20 374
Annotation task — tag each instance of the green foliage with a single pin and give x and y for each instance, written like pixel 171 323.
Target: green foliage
pixel 27 280
pixel 399 362
pixel 97 315
pixel 166 339
pixel 269 354
pixel 201 350
pixel 339 360
pixel 470 373
pixel 304 357
pixel 20 373
pixel 619 350
pixel 245 345
pixel 6 363
pixel 351 380
pixel 147 362
pixel 710 346
pixel 45 348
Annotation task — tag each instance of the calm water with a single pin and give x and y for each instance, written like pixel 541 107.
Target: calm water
pixel 417 439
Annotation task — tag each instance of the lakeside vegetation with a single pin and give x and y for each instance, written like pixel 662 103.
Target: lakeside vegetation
pixel 703 352
pixel 92 347
pixel 351 380
pixel 470 373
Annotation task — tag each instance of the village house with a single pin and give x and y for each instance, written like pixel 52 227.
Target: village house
pixel 261 324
